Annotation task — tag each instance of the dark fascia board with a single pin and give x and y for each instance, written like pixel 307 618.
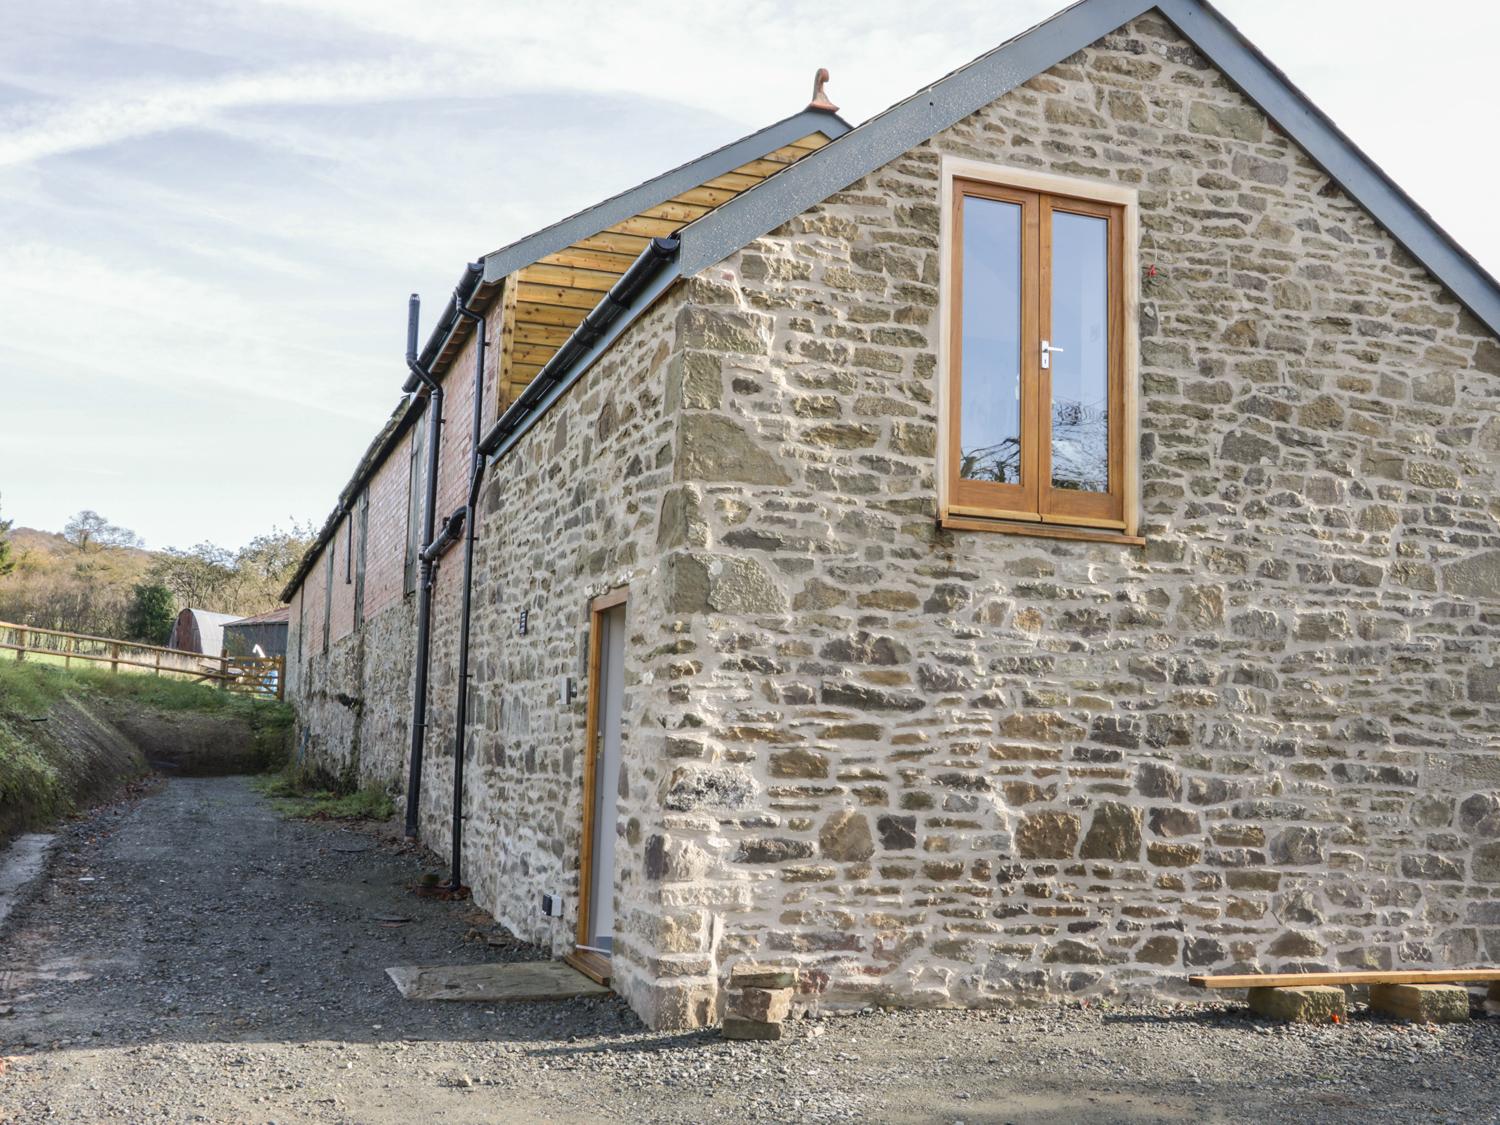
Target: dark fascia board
pixel 627 204
pixel 880 140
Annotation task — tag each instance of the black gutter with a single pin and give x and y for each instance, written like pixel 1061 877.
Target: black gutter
pixel 422 376
pixel 658 252
pixel 471 518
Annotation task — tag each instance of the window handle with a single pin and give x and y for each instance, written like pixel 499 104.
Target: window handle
pixel 1047 349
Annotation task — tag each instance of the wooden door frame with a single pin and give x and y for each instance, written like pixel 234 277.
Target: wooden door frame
pixel 590 962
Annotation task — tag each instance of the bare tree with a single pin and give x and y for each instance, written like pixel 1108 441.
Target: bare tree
pixel 89 529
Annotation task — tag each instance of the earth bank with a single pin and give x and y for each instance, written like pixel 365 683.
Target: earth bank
pixel 70 739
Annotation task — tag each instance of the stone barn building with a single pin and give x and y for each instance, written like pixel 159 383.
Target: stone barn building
pixel 1041 541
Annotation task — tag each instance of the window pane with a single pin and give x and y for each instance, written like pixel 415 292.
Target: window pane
pixel 990 421
pixel 1080 374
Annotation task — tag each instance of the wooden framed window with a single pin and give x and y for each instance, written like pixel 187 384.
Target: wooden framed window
pixel 1039 383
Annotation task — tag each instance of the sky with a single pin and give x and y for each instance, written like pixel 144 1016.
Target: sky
pixel 212 211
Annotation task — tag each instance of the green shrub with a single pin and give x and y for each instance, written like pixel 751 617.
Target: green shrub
pixel 313 793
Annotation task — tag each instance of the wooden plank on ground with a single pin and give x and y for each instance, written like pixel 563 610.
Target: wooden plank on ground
pixel 1377 976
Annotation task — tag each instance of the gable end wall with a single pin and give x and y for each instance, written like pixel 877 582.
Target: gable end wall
pixel 973 768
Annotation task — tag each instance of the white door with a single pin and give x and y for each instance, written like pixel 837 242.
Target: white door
pixel 601 915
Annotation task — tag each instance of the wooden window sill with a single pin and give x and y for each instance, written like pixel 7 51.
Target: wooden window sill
pixel 1040 530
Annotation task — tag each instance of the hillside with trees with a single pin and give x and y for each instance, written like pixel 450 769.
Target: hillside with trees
pixel 95 577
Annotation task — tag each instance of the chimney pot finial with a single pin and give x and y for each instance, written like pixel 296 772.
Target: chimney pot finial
pixel 820 95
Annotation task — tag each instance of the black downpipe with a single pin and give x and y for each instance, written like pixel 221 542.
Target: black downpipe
pixel 425 579
pixel 461 706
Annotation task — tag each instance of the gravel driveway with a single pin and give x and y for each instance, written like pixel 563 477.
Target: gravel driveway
pixel 196 957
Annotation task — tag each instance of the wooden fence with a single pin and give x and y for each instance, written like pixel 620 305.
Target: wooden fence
pixel 261 676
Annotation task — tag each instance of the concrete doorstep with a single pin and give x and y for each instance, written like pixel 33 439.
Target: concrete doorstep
pixel 22 866
pixel 510 980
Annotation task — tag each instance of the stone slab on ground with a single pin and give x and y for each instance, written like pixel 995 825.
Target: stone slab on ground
pixel 1316 1003
pixel 1423 1003
pixel 519 980
pixel 737 1028
pixel 22 866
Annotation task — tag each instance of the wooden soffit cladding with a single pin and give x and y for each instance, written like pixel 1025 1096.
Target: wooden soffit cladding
pixel 553 294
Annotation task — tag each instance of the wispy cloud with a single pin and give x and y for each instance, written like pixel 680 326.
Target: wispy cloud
pixel 120 114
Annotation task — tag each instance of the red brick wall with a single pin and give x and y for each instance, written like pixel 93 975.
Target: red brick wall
pixel 385 546
pixel 312 608
pixel 389 491
pixel 340 552
pixel 458 424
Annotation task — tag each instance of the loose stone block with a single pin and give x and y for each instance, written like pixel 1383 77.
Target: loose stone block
pixel 1424 1003
pixel 768 1005
pixel 762 976
pixel 737 1028
pixel 1314 1003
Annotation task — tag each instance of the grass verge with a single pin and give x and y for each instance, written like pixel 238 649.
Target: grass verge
pixel 314 794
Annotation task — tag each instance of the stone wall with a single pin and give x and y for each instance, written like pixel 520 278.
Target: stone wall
pixel 571 512
pixel 353 699
pixel 966 768
pixel 944 768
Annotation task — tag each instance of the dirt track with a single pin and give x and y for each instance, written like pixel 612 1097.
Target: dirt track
pixel 195 957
